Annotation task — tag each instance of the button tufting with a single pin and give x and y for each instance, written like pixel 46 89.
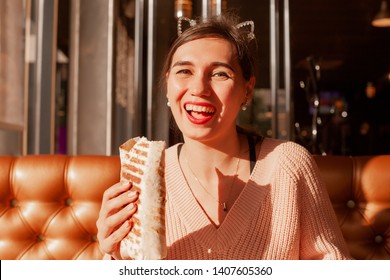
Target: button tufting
pixel 351 204
pixel 40 238
pixel 68 201
pixel 378 239
pixel 94 238
pixel 14 203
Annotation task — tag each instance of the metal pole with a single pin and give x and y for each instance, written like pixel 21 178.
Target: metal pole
pixel 287 68
pixel 138 68
pixel 218 7
pixel 110 58
pixel 205 8
pixel 74 77
pixel 150 68
pixel 274 62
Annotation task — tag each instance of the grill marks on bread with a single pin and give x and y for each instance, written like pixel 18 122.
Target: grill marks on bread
pixel 143 164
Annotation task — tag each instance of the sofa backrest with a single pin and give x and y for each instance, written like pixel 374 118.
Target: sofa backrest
pixel 49 204
pixel 359 188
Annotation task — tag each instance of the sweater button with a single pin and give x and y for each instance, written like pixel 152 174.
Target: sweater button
pixel 209 251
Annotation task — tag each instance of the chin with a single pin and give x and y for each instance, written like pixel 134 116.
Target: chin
pixel 200 135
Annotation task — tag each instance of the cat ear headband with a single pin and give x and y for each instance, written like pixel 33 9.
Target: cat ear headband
pixel 184 22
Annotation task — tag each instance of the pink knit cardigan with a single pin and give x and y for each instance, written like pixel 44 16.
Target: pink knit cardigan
pixel 283 212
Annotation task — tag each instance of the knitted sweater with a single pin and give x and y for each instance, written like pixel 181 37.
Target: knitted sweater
pixel 283 212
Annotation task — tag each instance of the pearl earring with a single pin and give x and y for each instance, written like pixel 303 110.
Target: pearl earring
pixel 168 104
pixel 244 106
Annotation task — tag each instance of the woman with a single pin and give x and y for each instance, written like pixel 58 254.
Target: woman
pixel 229 195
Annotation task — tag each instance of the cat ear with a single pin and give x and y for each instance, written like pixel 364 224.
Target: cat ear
pixel 248 27
pixel 183 23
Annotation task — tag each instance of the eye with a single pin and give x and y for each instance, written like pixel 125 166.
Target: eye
pixel 221 75
pixel 183 72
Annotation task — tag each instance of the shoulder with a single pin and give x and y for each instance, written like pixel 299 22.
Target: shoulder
pixel 284 148
pixel 288 155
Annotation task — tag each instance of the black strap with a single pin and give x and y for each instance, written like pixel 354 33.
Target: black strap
pixel 252 141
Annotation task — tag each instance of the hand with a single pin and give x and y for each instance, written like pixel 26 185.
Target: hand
pixel 114 222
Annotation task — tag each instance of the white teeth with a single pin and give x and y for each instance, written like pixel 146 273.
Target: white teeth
pixel 200 109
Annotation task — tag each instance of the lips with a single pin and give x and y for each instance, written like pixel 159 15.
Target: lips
pixel 199 113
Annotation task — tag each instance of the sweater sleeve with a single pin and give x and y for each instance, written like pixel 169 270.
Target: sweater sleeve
pixel 320 234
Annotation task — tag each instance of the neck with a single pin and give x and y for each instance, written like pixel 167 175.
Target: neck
pixel 209 158
pixel 223 147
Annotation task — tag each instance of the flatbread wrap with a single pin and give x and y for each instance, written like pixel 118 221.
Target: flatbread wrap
pixel 143 164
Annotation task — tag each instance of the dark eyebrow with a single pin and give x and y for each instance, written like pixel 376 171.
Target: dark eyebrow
pixel 223 64
pixel 181 63
pixel 184 62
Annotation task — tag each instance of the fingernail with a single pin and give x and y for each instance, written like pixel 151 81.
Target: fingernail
pixel 125 183
pixel 131 193
pixel 131 206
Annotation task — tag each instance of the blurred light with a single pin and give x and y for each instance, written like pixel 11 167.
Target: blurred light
pixel 183 8
pixel 218 7
pixel 382 18
pixel 370 90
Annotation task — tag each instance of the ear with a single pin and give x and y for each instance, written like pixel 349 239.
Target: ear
pixel 250 85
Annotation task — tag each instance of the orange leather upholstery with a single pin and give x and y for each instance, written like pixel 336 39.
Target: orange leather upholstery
pixel 359 188
pixel 49 204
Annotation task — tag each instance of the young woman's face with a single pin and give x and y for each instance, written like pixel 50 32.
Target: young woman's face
pixel 206 88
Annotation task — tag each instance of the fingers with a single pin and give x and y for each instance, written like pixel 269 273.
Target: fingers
pixel 117 236
pixel 118 206
pixel 112 230
pixel 111 244
pixel 114 221
pixel 115 190
pixel 117 197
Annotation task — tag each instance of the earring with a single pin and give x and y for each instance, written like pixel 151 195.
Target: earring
pixel 244 106
pixel 168 104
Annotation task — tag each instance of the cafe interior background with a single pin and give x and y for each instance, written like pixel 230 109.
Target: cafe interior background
pixel 82 76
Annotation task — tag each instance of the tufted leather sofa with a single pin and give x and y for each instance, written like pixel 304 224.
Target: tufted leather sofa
pixel 49 204
pixel 359 188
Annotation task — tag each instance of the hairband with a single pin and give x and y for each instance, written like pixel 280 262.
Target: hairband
pixel 180 20
pixel 242 25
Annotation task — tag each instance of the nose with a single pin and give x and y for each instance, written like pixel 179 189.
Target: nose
pixel 200 86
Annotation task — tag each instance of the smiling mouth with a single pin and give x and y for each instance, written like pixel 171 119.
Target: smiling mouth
pixel 199 113
pixel 190 108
